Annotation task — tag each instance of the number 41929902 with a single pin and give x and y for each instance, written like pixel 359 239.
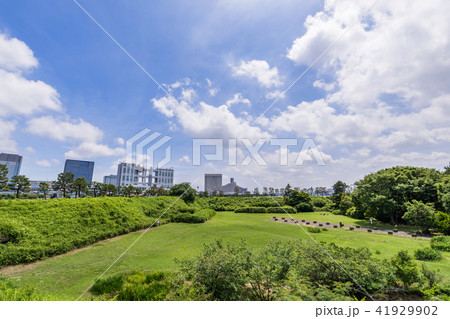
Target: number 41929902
pixel 407 310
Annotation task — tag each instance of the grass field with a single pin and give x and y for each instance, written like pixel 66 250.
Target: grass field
pixel 69 275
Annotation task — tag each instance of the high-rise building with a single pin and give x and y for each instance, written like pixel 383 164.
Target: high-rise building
pixel 134 175
pixel 142 178
pixel 13 163
pixel 163 177
pixel 110 179
pixel 213 182
pixel 80 169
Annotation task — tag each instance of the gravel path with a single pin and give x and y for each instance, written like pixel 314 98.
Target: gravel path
pixel 313 223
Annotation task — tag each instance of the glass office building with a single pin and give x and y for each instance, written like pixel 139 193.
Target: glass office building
pixel 13 163
pixel 80 169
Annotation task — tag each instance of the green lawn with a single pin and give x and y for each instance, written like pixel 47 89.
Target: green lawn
pixel 69 275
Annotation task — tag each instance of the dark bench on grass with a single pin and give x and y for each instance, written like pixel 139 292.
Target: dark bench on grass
pixel 390 233
pixel 320 225
pixel 334 226
pixel 351 228
pixel 369 230
pixel 358 226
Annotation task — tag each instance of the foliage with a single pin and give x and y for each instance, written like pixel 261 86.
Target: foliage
pixel 184 190
pixel 3 177
pixel 44 188
pixel 63 183
pixel 19 183
pixel 321 203
pixel 10 292
pixel 199 216
pixel 442 222
pixel 384 194
pixel 441 243
pixel 304 207
pixel 232 203
pixel 297 197
pixel 420 214
pixel 37 228
pixel 135 286
pixel 251 210
pixel 227 272
pixel 427 254
pixel 281 210
pixel 339 189
pixel 405 268
pixel 79 186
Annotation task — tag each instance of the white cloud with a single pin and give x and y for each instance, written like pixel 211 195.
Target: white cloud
pixel 43 163
pixel 92 150
pixel 29 149
pixel 277 94
pixel 185 159
pixel 323 85
pixel 64 130
pixel 7 144
pixel 399 48
pixel 259 70
pixel 238 99
pixel 15 55
pixel 119 141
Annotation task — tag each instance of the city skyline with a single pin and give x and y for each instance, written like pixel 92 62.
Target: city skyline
pixel 69 91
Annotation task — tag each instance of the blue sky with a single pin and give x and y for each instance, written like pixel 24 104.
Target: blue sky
pixel 375 99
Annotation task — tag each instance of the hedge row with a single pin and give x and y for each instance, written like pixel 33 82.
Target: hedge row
pixel 263 210
pixel 199 216
pixel 35 229
pixel 233 203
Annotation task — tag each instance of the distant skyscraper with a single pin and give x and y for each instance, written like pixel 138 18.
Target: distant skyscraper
pixel 213 182
pixel 13 163
pixel 80 169
pixel 110 179
pixel 134 175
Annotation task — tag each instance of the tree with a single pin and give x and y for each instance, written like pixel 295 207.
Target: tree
pixel 185 191
pixel 297 197
pixel 137 191
pixel 110 189
pixel 447 169
pixel 256 191
pixel 236 191
pixel 44 188
pixel 420 214
pixel 79 186
pixel 19 183
pixel 405 268
pixel 265 191
pixel 384 194
pixel 339 189
pixel 63 183
pixel 95 188
pixel 443 222
pixel 287 191
pixel 3 177
pixel 128 190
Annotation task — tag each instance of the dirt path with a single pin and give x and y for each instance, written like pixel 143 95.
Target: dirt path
pixel 313 223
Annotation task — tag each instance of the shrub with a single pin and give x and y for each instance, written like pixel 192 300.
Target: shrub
pixel 321 202
pixel 427 254
pixel 108 285
pixel 281 210
pixel 441 243
pixel 313 230
pixel 252 210
pixel 199 216
pixel 405 268
pixel 304 207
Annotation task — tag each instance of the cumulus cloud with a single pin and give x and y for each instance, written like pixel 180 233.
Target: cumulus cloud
pixel 238 99
pixel 92 150
pixel 64 129
pixel 399 48
pixel 15 55
pixel 259 70
pixel 7 143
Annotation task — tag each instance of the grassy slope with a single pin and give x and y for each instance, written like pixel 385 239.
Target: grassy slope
pixel 68 275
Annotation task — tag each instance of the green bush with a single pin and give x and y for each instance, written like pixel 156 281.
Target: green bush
pixel 427 254
pixel 233 203
pixel 313 230
pixel 108 285
pixel 281 210
pixel 304 208
pixel 441 243
pixel 200 216
pixel 252 210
